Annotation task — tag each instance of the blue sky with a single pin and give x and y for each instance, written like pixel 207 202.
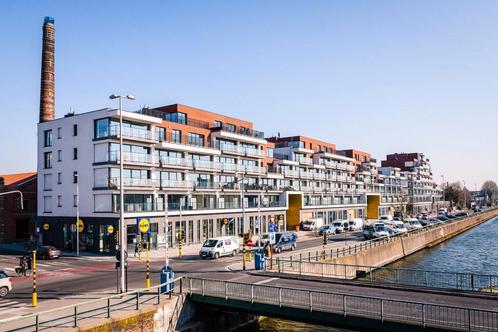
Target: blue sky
pixel 380 76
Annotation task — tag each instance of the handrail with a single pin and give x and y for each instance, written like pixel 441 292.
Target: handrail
pixel 72 306
pixel 339 293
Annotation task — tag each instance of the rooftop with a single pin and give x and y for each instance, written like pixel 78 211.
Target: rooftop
pixel 10 179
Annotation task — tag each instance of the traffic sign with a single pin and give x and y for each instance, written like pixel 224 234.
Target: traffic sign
pixel 144 225
pixel 110 229
pixel 272 238
pixel 81 225
pixel 249 243
pixel 46 227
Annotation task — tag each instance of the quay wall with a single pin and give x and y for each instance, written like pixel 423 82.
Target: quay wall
pixel 391 251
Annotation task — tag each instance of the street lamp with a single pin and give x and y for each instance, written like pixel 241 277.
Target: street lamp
pixel 121 227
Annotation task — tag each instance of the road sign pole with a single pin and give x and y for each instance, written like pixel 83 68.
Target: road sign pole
pixel 147 279
pixel 34 295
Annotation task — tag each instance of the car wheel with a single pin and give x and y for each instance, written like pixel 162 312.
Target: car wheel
pixel 216 255
pixel 234 253
pixel 4 291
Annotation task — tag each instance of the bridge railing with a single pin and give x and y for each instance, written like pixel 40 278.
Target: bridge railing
pixel 383 309
pixel 70 316
pixel 413 277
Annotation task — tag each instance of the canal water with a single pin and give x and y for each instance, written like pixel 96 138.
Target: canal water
pixel 473 251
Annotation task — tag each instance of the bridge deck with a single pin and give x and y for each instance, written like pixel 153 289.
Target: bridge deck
pixel 378 308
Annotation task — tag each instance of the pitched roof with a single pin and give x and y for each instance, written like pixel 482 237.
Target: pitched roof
pixel 15 178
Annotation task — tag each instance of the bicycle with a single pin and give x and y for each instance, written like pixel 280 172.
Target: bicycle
pixel 23 269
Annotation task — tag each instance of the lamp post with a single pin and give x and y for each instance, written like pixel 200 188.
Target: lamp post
pixel 122 229
pixel 77 214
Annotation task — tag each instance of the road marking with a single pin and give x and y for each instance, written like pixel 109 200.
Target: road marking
pixel 266 281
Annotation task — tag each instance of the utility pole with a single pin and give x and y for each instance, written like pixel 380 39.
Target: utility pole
pixel 77 215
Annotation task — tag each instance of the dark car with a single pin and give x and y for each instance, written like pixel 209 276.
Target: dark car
pixel 327 229
pixel 461 214
pixel 47 252
pixel 450 216
pixel 442 218
pixel 285 241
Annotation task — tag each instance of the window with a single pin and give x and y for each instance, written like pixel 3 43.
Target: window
pixel 75 200
pixel 269 152
pixel 160 133
pixel 59 200
pixel 75 177
pixel 230 127
pixel 47 204
pixel 101 128
pixel 47 181
pixel 59 178
pixel 59 155
pixel 47 138
pixel 176 136
pixel 177 117
pixel 244 130
pixel 195 139
pixel 47 160
pixel 218 124
pixel 75 153
pixel 75 130
pixel 59 133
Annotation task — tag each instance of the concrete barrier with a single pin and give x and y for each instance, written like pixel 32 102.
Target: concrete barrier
pixel 391 251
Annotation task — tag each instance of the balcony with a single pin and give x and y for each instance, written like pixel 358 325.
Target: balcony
pixel 178 162
pixel 306 161
pixel 253 152
pixel 226 167
pixel 133 182
pixel 330 164
pixel 253 169
pixel 229 148
pixel 290 173
pixel 205 164
pixel 133 133
pixel 240 130
pixel 306 175
pixel 175 184
pixel 318 176
pixel 133 158
pixel 139 207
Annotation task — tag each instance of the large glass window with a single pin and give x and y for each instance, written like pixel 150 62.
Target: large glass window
pixel 101 128
pixel 177 117
pixel 230 127
pixel 195 139
pixel 47 138
pixel 176 136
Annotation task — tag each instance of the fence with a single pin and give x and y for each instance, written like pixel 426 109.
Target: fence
pixel 383 309
pixel 71 315
pixel 413 277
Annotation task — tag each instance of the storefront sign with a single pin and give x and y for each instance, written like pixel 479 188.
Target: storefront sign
pixel 110 229
pixel 143 225
pixel 81 225
pixel 46 227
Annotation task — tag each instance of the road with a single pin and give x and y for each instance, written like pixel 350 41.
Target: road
pixel 81 278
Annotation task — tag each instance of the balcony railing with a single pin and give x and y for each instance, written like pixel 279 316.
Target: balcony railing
pixel 133 182
pixel 181 184
pixel 172 161
pixel 306 175
pixel 205 164
pixel 290 173
pixel 130 132
pixel 240 130
pixel 133 157
pixel 307 161
pixel 139 207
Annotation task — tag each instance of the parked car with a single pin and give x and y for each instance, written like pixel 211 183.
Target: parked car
pixel 391 231
pixel 327 229
pixel 5 284
pixel 380 230
pixel 313 224
pixel 285 241
pixel 413 223
pixel 355 224
pixel 442 217
pixel 219 246
pixel 461 214
pixel 450 216
pixel 400 227
pixel 47 252
pixel 339 226
pixel 385 218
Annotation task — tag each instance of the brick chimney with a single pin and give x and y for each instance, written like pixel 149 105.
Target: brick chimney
pixel 47 86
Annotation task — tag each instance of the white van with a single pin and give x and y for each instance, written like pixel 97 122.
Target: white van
pixel 398 226
pixel 219 246
pixel 313 224
pixel 413 223
pixel 355 224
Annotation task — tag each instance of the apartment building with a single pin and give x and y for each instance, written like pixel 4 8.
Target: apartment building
pixel 178 160
pixel 422 193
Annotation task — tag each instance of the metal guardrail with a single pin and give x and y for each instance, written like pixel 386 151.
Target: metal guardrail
pixel 383 309
pixel 365 245
pixel 71 315
pixel 413 277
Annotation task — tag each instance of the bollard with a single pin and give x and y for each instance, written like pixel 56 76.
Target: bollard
pixel 147 277
pixel 34 295
pixel 309 256
pixel 291 261
pixel 316 256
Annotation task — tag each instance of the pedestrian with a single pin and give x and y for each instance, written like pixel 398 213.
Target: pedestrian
pixel 136 250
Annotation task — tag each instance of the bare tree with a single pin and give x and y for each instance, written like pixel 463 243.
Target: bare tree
pixel 490 190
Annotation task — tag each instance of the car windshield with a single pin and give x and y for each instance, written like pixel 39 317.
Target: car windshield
pixel 210 243
pixel 414 222
pixel 380 228
pixel 337 224
pixel 324 227
pixel 3 275
pixel 400 226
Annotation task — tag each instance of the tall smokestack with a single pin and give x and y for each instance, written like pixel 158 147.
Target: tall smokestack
pixel 47 87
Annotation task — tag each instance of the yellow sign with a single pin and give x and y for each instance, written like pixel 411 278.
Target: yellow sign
pixel 46 227
pixel 143 225
pixel 81 225
pixel 110 229
pixel 225 221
